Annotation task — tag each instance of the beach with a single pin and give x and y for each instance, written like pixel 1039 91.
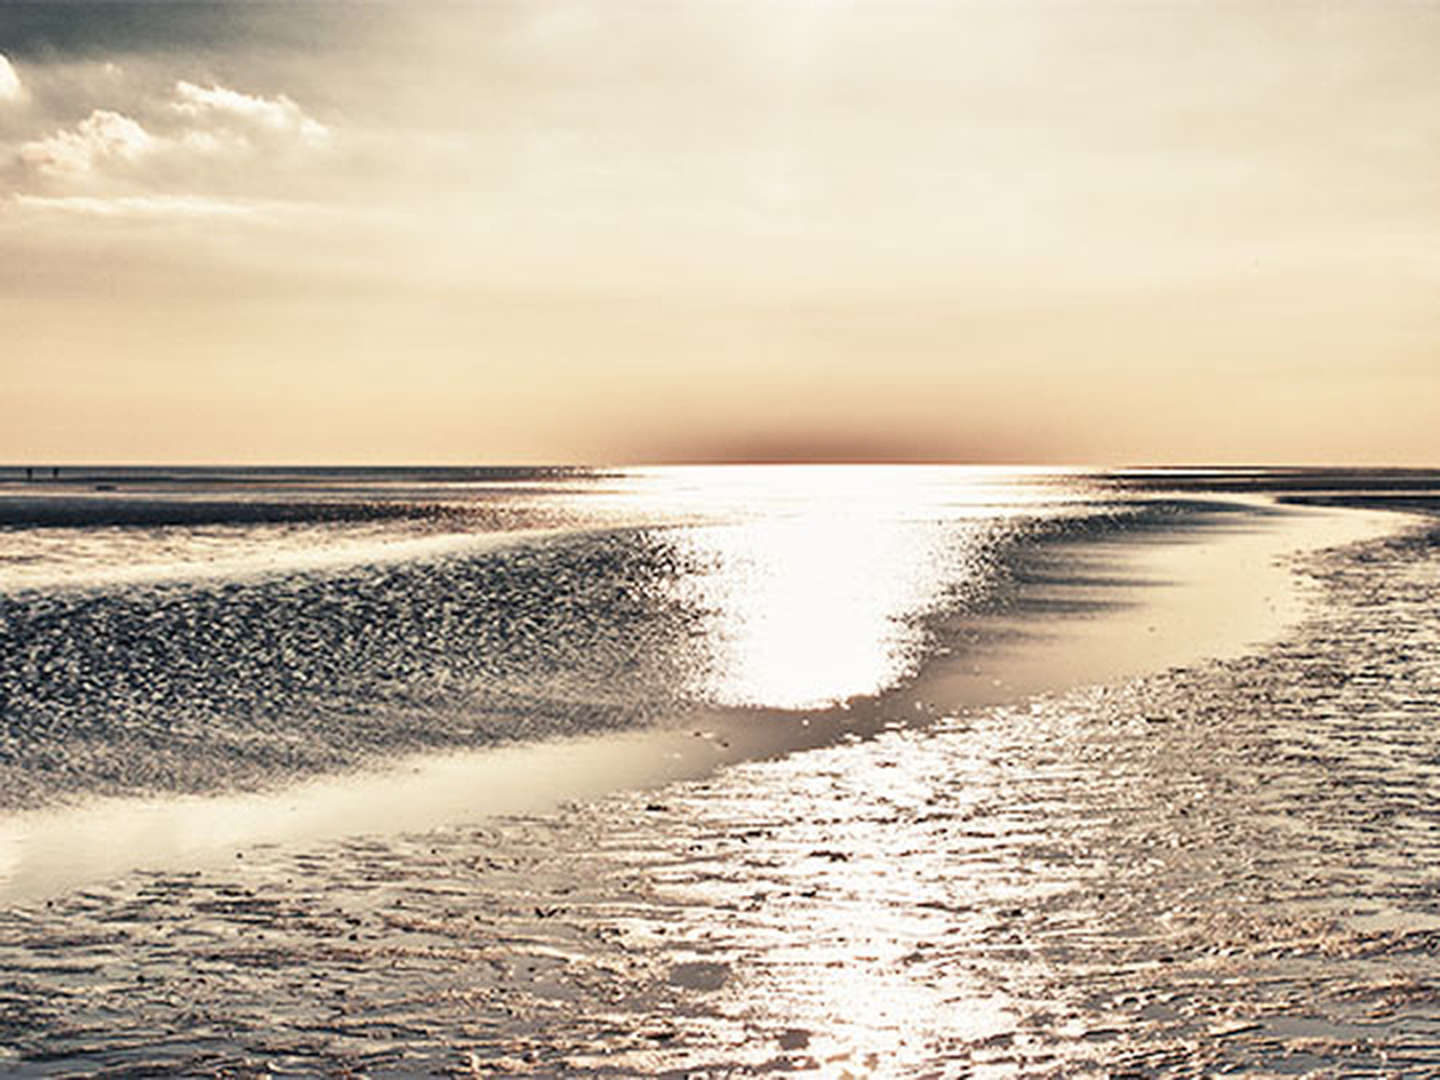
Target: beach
pixel 1156 805
pixel 705 540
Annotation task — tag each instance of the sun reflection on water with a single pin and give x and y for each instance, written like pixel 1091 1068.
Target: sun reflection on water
pixel 815 581
pixel 809 610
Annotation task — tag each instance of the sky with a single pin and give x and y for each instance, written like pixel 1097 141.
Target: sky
pixel 511 231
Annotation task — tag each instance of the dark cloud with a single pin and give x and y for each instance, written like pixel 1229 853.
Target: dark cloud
pixel 111 28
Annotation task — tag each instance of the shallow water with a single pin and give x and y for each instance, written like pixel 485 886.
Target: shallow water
pixel 1227 866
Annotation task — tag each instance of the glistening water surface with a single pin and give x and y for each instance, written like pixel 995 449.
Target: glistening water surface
pixel 176 633
pixel 1221 867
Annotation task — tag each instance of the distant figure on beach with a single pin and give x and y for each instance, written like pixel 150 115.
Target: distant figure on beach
pixel 55 473
pixel 29 473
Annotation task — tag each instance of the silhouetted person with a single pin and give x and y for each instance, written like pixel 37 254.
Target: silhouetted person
pixel 29 473
pixel 55 473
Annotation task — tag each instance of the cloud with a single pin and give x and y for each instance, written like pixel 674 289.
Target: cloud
pixel 217 106
pixel 103 140
pixel 191 143
pixel 11 88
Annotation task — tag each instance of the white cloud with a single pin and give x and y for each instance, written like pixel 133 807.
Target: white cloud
pixel 11 88
pixel 215 105
pixel 195 143
pixel 101 140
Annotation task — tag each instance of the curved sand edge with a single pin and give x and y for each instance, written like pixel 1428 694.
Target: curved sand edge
pixel 1150 603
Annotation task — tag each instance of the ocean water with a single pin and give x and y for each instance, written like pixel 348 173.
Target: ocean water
pixel 1220 865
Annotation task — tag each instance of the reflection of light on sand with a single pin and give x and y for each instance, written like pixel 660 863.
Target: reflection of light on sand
pixel 862 978
pixel 862 996
pixel 872 1013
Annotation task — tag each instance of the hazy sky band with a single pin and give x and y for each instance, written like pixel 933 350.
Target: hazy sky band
pixel 589 232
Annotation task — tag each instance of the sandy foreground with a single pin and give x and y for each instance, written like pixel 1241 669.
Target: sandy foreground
pixel 1056 851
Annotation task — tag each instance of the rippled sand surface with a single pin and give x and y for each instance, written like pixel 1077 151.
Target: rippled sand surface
pixel 1231 867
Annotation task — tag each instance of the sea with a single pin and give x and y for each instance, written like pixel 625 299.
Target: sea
pixel 719 771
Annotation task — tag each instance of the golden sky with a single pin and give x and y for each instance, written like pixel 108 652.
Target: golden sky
pixel 722 230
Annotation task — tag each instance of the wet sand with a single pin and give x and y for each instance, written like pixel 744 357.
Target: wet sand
pixel 1082 613
pixel 1221 865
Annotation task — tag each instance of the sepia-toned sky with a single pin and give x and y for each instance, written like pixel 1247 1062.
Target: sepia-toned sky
pixel 601 231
